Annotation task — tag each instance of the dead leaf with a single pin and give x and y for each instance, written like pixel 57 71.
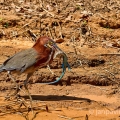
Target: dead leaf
pixel 59 41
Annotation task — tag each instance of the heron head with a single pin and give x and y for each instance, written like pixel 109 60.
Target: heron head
pixel 52 45
pixel 45 42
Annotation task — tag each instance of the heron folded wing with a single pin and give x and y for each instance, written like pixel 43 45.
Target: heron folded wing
pixel 20 61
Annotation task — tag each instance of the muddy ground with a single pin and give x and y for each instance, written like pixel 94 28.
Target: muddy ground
pixel 89 33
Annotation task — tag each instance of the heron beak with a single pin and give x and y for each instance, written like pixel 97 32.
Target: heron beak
pixel 58 51
pixel 47 45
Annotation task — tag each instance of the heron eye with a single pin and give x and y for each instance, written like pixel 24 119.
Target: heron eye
pixel 50 43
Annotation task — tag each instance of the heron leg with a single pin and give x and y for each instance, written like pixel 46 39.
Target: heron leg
pixel 26 88
pixel 17 86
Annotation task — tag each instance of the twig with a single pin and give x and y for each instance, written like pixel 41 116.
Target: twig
pixel 48 12
pixel 32 35
pixel 48 67
pixel 28 24
pixel 50 32
pixel 60 30
pixel 112 75
pixel 96 87
pixel 108 54
pixel 40 27
pixel 73 40
pixel 54 28
pixel 86 117
pixel 65 117
pixel 26 116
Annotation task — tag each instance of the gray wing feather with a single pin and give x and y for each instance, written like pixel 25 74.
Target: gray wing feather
pixel 20 61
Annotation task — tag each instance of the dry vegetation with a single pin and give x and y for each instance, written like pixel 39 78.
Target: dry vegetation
pixel 90 34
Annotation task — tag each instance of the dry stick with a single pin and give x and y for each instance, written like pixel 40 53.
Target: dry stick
pixel 12 110
pixel 54 28
pixel 40 2
pixel 81 37
pixel 40 27
pixel 3 32
pixel 50 32
pixel 65 117
pixel 21 112
pixel 73 40
pixel 56 2
pixel 110 79
pixel 22 28
pixel 48 67
pixel 96 87
pixel 32 35
pixel 112 75
pixel 47 34
pixel 108 54
pixel 25 30
pixel 26 35
pixel 27 118
pixel 74 33
pixel 45 9
pixel 1 12
pixel 60 30
pixel 23 103
pixel 35 115
pixel 48 12
pixel 19 34
pixel 76 53
pixel 27 24
pixel 7 113
pixel 12 103
pixel 86 117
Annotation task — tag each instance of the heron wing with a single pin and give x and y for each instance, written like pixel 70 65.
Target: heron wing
pixel 20 61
